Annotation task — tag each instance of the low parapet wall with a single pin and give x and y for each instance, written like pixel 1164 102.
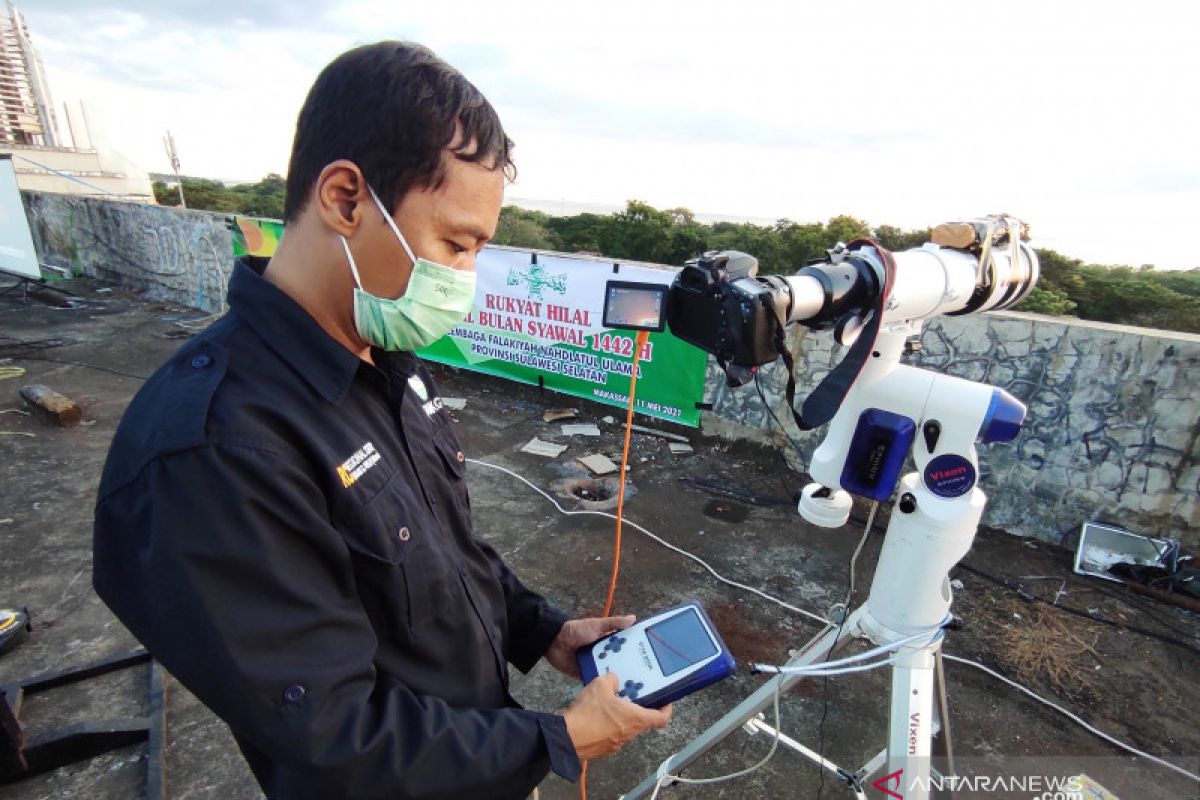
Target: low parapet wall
pixel 175 255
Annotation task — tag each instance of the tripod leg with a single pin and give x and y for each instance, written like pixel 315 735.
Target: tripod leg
pixel 945 749
pixel 816 650
pixel 911 725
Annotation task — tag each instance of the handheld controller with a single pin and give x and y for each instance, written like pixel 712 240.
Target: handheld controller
pixel 662 658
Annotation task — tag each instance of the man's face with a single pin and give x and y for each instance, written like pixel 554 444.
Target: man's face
pixel 448 225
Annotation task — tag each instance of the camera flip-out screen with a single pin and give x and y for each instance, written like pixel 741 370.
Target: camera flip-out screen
pixel 635 306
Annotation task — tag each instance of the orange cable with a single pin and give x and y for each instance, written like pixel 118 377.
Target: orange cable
pixel 638 343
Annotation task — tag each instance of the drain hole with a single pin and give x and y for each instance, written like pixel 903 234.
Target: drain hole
pixel 591 490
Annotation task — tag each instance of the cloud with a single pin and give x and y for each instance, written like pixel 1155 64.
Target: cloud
pixel 193 14
pixel 897 113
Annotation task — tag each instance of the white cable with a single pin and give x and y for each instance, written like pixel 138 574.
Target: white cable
pixel 854 557
pixel 863 656
pixel 820 670
pixel 1076 719
pixel 665 777
pixel 662 542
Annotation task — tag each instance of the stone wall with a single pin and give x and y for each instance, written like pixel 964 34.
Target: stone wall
pixel 1113 432
pixel 174 255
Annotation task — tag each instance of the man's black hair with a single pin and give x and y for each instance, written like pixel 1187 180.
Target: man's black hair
pixel 392 108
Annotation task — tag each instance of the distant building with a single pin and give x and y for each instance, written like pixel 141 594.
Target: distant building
pixel 43 158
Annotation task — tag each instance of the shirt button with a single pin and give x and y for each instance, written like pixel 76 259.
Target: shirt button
pixel 459 455
pixel 201 360
pixel 404 534
pixel 293 694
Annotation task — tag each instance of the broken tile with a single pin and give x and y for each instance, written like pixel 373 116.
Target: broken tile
pixel 678 448
pixel 674 437
pixel 539 448
pixel 587 429
pixel 456 403
pixel 555 414
pixel 599 465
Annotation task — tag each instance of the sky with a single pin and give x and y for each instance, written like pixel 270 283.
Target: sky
pixel 1079 117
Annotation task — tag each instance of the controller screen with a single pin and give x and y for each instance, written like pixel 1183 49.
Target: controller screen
pixel 680 641
pixel 635 308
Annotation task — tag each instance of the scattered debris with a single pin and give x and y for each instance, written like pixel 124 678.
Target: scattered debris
pixel 599 464
pixel 6 521
pixel 1090 789
pixel 18 433
pixel 1101 547
pixel 539 448
pixel 104 290
pixel 555 414
pixel 587 429
pixel 455 403
pixel 678 448
pixel 11 372
pixel 54 407
pixel 726 511
pixel 956 584
pixel 1046 645
pixel 674 437
pixel 53 296
pixel 608 420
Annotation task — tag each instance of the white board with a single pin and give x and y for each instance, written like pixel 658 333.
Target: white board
pixel 17 255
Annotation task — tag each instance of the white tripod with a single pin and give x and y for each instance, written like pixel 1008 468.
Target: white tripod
pixel 932 526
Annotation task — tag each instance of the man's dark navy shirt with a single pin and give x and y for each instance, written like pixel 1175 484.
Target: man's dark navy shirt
pixel 286 528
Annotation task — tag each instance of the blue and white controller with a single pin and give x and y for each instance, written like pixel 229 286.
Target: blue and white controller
pixel 662 658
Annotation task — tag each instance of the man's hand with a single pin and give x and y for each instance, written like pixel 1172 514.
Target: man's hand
pixel 600 723
pixel 577 633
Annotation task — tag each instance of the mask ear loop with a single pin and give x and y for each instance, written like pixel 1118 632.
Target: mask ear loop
pixel 392 224
pixel 350 258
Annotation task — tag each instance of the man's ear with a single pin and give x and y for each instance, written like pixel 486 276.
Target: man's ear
pixel 339 195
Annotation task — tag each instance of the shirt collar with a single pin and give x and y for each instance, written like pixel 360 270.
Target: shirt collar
pixel 289 330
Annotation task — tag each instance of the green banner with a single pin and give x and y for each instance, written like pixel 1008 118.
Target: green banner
pixel 537 319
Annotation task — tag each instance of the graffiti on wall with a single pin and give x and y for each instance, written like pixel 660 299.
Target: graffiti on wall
pixel 179 257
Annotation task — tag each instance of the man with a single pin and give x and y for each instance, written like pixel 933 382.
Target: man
pixel 283 519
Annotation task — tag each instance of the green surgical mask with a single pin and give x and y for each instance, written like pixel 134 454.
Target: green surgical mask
pixel 437 298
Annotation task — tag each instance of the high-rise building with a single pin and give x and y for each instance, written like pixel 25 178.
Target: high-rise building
pixel 45 160
pixel 26 110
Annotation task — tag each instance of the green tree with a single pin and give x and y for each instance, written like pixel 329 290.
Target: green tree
pixel 518 227
pixel 1047 301
pixel 262 199
pixel 895 239
pixel 845 229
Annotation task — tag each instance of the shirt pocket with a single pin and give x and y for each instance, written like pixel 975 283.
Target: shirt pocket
pixel 401 574
pixel 455 463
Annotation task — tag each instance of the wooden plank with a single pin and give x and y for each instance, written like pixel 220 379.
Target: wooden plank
pixel 52 406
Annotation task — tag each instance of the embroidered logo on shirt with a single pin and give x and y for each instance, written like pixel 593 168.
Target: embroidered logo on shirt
pixel 431 407
pixel 357 465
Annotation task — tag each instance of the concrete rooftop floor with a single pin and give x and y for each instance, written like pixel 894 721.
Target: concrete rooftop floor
pixel 1136 688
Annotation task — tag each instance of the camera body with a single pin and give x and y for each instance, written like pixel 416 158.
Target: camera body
pixel 719 304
